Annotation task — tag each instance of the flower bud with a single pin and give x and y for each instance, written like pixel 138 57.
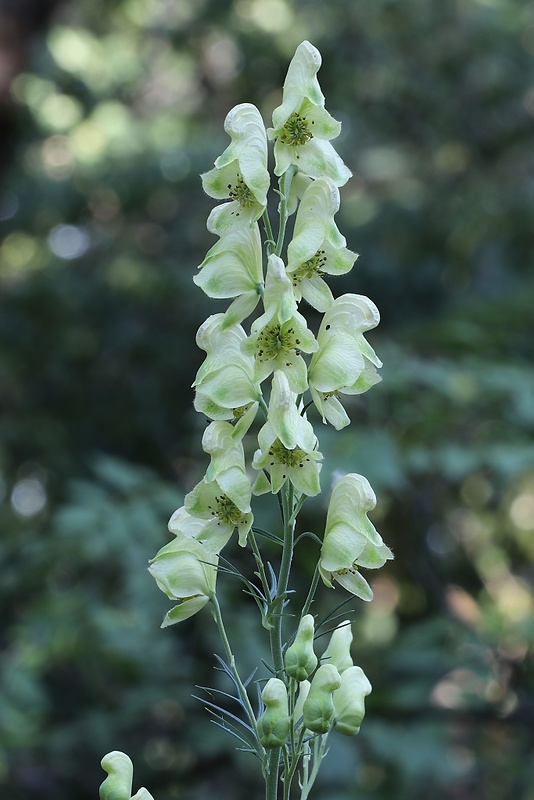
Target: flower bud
pixel 300 660
pixel 118 784
pixel 349 701
pixel 318 708
pixel 273 725
pixel 304 690
pixel 338 650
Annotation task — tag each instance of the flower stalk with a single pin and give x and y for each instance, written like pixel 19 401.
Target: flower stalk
pixel 276 363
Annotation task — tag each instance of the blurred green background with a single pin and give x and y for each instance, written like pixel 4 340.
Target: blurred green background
pixel 109 111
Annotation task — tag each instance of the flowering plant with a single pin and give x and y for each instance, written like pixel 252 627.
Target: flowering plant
pixel 286 718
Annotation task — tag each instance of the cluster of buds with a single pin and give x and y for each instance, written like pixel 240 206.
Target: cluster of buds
pixel 331 690
pixel 279 352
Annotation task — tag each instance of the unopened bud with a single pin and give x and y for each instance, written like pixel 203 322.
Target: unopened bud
pixel 349 703
pixel 300 660
pixel 273 725
pixel 118 784
pixel 304 690
pixel 318 708
pixel 338 650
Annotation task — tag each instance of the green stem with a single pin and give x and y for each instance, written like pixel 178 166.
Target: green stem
pixel 216 608
pixel 311 593
pixel 269 232
pixel 275 632
pixel 283 579
pixel 259 563
pixel 271 779
pixel 284 183
pixel 319 747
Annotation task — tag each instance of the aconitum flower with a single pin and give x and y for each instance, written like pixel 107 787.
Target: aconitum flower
pixel 226 384
pixel 287 445
pixel 280 335
pixel 186 571
pixel 345 362
pixel 302 127
pixel 223 496
pixel 240 174
pixel 317 247
pixel 225 502
pixel 350 539
pixel 182 523
pixel 233 268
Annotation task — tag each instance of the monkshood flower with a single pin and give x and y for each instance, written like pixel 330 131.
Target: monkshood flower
pixel 226 384
pixel 345 362
pixel 118 784
pixel 182 523
pixel 233 268
pixel 240 174
pixel 287 445
pixel 186 571
pixel 302 127
pixel 317 247
pixel 350 539
pixel 280 335
pixel 223 496
pixel 349 701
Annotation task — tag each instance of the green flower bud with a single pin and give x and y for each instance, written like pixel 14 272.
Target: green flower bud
pixel 300 660
pixel 118 784
pixel 349 701
pixel 338 650
pixel 273 725
pixel 318 708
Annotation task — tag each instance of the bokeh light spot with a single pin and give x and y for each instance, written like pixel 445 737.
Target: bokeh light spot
pixel 68 241
pixel 28 497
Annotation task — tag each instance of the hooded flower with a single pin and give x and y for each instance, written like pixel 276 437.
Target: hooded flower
pixel 345 362
pixel 302 127
pixel 186 571
pixel 233 268
pixel 182 523
pixel 317 247
pixel 350 539
pixel 223 497
pixel 280 334
pixel 287 445
pixel 240 174
pixel 226 386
